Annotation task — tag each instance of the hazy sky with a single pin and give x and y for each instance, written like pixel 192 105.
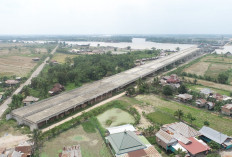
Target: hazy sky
pixel 115 17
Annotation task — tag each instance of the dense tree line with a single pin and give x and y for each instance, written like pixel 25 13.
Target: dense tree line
pixel 86 68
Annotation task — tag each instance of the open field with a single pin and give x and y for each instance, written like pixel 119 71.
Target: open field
pixel 217 122
pixel 60 57
pixel 22 49
pixel 211 65
pixel 116 116
pixel 212 84
pixel 198 68
pixel 161 118
pixel 91 144
pixel 198 88
pixel 16 65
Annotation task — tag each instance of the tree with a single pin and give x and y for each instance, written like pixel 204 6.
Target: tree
pixel 223 78
pixel 180 152
pixel 167 90
pixel 195 81
pixel 190 117
pixel 206 123
pixel 214 145
pixel 26 91
pixel 149 130
pixel 177 49
pixel 37 139
pixel 179 113
pixel 182 89
pixel 16 101
pixel 156 81
pixel 130 91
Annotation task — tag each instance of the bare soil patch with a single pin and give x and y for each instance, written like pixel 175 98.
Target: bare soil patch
pixel 16 65
pixel 199 68
pixel 10 141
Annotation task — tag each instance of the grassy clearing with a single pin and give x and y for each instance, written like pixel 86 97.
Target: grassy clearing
pixel 199 68
pixel 161 118
pixel 88 127
pixel 211 65
pixel 91 143
pixel 212 85
pixel 217 122
pixel 11 127
pixel 199 87
pixel 16 65
pixel 60 57
pixel 115 117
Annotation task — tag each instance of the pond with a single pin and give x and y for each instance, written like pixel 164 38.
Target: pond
pixel 115 117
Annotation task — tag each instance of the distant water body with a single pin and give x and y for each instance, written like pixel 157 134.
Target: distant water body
pixel 225 50
pixel 137 43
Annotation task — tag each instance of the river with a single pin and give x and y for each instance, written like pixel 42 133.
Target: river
pixel 137 43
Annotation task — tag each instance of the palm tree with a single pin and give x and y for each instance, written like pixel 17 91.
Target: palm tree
pixel 37 140
pixel 179 113
pixel 191 118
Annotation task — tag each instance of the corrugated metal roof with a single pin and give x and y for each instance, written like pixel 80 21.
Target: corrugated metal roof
pixel 195 146
pixel 213 134
pixel 165 137
pixel 122 128
pixel 183 129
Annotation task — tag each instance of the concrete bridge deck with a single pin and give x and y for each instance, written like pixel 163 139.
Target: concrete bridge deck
pixel 52 107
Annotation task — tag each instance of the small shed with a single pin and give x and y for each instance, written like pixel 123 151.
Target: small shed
pixel 57 88
pixel 184 97
pixel 210 105
pixel 201 102
pixel 206 91
pixel 227 109
pixel 11 82
pixel 29 100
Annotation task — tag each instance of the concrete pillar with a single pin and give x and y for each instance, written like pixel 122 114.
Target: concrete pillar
pixel 33 127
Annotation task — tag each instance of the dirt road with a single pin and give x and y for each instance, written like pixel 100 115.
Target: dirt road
pixel 80 113
pixel 4 106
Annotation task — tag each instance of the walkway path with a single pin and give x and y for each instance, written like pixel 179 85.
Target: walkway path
pixel 87 110
pixel 4 106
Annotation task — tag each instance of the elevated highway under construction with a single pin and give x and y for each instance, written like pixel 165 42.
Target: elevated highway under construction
pixel 48 110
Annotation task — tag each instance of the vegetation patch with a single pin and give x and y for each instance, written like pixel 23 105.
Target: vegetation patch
pixel 217 122
pixel 161 118
pixel 88 127
pixel 91 143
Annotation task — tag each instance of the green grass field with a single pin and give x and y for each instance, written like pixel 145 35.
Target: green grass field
pixel 90 141
pixel 211 65
pixel 199 87
pixel 216 122
pixel 161 118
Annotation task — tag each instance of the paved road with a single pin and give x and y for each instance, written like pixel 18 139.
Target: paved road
pixel 4 106
pixel 87 110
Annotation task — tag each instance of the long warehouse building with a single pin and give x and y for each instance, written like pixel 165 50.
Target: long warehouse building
pixel 48 110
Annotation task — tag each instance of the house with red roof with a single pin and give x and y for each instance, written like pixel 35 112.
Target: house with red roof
pixel 180 136
pixel 195 147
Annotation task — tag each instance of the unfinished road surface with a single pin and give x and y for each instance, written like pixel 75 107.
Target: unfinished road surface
pixel 47 110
